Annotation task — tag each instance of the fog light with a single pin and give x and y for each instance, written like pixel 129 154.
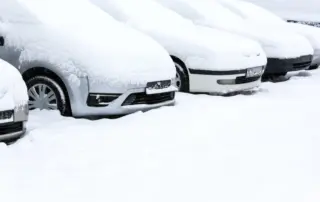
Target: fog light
pixel 130 99
pixel 101 100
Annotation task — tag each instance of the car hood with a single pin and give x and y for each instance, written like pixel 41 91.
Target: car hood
pixel 13 91
pixel 87 43
pixel 310 32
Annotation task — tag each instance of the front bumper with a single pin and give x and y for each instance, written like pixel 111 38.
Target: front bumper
pixel 222 82
pixel 120 106
pixel 316 58
pixel 13 123
pixel 283 66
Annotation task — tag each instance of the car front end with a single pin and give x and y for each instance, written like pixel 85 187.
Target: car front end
pixel 224 82
pixel 97 100
pixel 13 103
pixel 226 63
pixel 13 122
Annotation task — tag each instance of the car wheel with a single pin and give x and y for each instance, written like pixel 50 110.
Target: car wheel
pixel 45 93
pixel 182 81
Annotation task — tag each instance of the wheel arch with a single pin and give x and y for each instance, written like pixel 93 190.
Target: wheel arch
pixel 181 63
pixel 42 71
pixel 184 69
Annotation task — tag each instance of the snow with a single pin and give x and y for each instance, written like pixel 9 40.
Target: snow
pixel 211 13
pixel 306 10
pixel 92 46
pixel 260 17
pixel 254 148
pixel 199 48
pixel 13 91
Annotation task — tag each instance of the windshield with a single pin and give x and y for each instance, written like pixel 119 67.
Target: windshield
pixel 249 11
pixel 67 12
pixel 142 13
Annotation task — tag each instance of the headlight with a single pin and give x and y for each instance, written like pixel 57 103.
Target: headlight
pixel 21 113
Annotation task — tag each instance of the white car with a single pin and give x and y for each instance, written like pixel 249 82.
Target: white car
pixel 207 60
pixel 278 45
pixel 260 17
pixel 81 66
pixel 303 11
pixel 13 103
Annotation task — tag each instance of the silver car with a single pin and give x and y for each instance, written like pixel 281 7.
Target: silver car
pixel 13 103
pixel 86 73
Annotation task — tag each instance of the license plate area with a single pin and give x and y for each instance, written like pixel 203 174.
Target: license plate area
pixel 254 72
pixel 6 116
pixel 157 86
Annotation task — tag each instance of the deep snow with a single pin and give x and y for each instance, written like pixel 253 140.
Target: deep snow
pixel 249 148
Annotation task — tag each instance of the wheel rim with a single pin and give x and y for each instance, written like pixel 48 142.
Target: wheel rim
pixel 41 96
pixel 178 80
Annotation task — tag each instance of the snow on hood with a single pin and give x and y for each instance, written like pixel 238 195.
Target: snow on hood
pixel 262 17
pixel 178 35
pixel 310 32
pixel 13 90
pixel 249 11
pixel 306 10
pixel 215 15
pixel 87 42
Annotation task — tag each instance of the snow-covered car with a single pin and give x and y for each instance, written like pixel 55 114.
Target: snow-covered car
pixel 13 102
pixel 260 17
pixel 207 60
pixel 305 12
pixel 278 45
pixel 75 64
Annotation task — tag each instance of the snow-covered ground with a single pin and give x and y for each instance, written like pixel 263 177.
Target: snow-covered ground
pixel 246 148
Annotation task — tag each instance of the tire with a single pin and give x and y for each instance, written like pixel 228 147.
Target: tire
pixel 182 79
pixel 313 67
pixel 45 93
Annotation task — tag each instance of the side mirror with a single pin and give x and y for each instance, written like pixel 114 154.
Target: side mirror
pixel 1 41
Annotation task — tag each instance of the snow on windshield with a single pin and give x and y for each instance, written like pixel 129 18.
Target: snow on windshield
pixel 143 13
pixel 203 10
pixel 12 12
pixel 250 11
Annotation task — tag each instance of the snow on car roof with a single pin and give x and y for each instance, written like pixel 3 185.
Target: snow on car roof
pixel 202 9
pixel 136 11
